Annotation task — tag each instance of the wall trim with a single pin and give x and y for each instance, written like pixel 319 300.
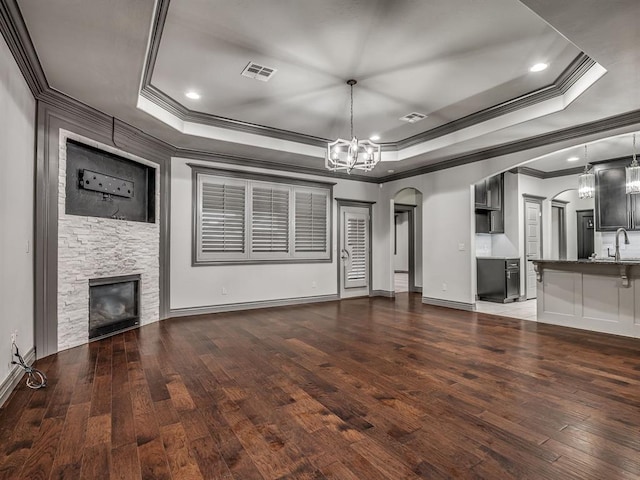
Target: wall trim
pixel 438 302
pixel 233 307
pixel 415 290
pixel 381 293
pixel 534 172
pixel 557 136
pixel 15 375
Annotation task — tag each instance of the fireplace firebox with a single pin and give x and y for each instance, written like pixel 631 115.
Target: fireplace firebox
pixel 114 305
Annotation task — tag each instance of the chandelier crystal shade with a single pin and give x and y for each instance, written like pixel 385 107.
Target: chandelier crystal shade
pixel 346 155
pixel 633 173
pixel 586 180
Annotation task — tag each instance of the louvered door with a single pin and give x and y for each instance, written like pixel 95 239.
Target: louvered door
pixel 354 253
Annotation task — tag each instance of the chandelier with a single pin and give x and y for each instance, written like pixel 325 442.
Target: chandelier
pixel 586 180
pixel 633 173
pixel 349 154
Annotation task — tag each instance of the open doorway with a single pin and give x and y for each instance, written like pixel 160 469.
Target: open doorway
pixel 407 241
pixel 572 237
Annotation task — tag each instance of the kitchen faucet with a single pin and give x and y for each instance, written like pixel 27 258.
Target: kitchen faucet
pixel 626 241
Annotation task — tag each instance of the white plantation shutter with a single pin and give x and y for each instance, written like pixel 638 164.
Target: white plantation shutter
pixel 240 219
pixel 356 246
pixel 311 214
pixel 270 219
pixel 222 217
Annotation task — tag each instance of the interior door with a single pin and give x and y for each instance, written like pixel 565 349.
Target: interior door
pixel 533 244
pixel 585 233
pixel 354 251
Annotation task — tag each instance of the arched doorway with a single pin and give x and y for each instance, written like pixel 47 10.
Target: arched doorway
pixel 406 237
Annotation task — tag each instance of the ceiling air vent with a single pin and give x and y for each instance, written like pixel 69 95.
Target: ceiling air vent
pixel 259 72
pixel 413 117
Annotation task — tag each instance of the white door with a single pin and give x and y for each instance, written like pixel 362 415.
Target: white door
pixel 354 251
pixel 533 244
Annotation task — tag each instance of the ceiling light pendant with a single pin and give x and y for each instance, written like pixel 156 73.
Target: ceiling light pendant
pixel 633 173
pixel 586 180
pixel 349 154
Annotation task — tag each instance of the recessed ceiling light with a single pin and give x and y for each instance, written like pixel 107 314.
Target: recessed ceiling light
pixel 192 95
pixel 374 138
pixel 390 171
pixel 573 159
pixel 538 67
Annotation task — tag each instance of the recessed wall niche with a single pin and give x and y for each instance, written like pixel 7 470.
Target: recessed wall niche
pixel 101 184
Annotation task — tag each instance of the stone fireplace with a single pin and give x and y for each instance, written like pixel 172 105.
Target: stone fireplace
pixel 95 252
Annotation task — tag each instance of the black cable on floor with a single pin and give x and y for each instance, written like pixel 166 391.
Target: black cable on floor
pixel 35 378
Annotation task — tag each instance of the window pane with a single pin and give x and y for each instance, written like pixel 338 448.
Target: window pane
pixel 222 222
pixel 270 220
pixel 311 221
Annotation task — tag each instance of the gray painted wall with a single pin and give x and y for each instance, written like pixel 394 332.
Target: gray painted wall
pixel 17 132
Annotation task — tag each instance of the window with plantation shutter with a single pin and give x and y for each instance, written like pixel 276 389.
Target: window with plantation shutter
pixel 241 218
pixel 222 219
pixel 270 219
pixel 311 221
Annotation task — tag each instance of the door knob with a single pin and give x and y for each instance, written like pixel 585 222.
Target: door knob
pixel 344 255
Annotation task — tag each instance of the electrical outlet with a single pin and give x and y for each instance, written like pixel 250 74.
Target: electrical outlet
pixel 444 287
pixel 461 247
pixel 225 291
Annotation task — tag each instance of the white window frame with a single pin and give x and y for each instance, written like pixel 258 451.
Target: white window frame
pixel 201 174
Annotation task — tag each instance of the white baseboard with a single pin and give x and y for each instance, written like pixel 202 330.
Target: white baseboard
pixel 15 375
pixel 382 293
pixel 438 302
pixel 233 307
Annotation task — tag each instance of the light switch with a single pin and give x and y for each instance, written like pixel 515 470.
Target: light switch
pixel 461 247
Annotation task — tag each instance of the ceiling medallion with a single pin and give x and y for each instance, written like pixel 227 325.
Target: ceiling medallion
pixel 633 173
pixel 349 154
pixel 586 180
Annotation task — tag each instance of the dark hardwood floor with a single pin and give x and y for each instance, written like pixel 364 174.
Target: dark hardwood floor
pixel 362 389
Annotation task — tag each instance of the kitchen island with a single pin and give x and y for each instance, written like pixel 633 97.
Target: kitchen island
pixel 600 295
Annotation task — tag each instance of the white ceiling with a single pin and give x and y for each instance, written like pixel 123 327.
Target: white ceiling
pixel 443 58
pixel 446 58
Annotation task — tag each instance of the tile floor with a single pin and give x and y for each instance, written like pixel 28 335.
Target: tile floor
pixel 525 310
pixel 401 282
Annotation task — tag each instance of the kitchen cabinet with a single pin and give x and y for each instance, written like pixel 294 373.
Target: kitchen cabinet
pixel 488 199
pixel 488 193
pixel 489 221
pixel 613 207
pixel 498 279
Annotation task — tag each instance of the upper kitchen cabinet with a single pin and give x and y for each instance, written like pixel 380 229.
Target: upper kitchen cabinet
pixel 613 207
pixel 488 193
pixel 488 199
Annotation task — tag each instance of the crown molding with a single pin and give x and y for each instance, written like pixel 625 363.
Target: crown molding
pixel 14 31
pixel 570 133
pixel 576 69
pixel 534 172
pixel 254 163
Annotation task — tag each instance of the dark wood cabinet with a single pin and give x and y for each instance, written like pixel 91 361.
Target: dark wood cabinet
pixel 481 194
pixel 498 279
pixel 488 193
pixel 613 207
pixel 488 200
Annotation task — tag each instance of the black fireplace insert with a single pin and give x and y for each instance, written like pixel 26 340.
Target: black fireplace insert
pixel 114 305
